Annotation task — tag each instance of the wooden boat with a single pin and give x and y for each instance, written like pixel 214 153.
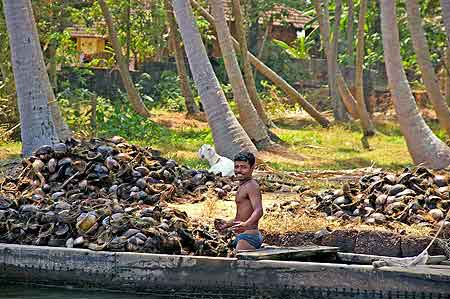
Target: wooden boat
pixel 227 277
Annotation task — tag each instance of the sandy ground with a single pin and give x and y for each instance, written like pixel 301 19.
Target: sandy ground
pixel 225 208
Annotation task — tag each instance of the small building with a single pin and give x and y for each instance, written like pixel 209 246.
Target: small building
pixel 281 23
pixel 90 43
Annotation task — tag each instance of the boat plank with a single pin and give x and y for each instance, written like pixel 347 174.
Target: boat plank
pixel 171 274
pixel 367 259
pixel 447 263
pixel 287 253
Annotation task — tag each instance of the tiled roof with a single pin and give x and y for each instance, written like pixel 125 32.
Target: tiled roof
pixel 81 31
pixel 280 14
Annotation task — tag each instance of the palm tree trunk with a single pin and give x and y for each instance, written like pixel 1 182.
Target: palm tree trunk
pixel 339 111
pixel 260 51
pixel 445 6
pixel 347 96
pixel 133 95
pixel 350 21
pixel 267 31
pixel 229 137
pixel 186 91
pixel 366 122
pixel 271 75
pixel 53 77
pixel 447 75
pixel 247 68
pixel 248 116
pixel 423 59
pixel 128 22
pixel 62 129
pixel 344 91
pixel 36 122
pixel 424 147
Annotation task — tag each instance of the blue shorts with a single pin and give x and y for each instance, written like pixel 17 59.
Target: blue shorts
pixel 254 240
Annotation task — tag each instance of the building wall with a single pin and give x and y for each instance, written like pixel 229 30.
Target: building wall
pixel 288 34
pixel 90 45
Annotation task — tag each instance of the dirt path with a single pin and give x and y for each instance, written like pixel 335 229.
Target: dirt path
pixel 210 209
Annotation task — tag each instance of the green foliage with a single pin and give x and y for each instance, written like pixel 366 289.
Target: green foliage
pixel 433 28
pixel 120 119
pixel 300 48
pixel 9 115
pixel 170 96
pixel 272 97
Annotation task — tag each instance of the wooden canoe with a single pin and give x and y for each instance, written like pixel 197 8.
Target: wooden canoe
pixel 172 274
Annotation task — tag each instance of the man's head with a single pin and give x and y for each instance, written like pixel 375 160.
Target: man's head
pixel 244 163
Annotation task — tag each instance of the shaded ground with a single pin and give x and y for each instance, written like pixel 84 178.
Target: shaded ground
pixel 308 146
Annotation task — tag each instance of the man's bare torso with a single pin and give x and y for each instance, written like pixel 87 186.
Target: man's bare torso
pixel 244 206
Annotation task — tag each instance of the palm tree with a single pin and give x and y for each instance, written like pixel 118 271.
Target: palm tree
pixel 445 6
pixel 133 95
pixel 62 130
pixel 339 111
pixel 36 122
pixel 246 66
pixel 229 137
pixel 248 116
pixel 366 122
pixel 270 74
pixel 191 106
pixel 424 147
pixel 426 67
pixel 447 74
pixel 324 26
pixel 350 20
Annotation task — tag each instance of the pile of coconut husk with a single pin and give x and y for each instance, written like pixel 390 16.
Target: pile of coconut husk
pixel 107 195
pixel 415 196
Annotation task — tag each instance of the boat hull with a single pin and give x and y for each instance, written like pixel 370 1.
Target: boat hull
pixel 158 273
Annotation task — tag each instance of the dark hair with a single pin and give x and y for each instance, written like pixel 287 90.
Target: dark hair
pixel 245 156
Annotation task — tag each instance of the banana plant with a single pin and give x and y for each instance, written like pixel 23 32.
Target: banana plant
pixel 300 47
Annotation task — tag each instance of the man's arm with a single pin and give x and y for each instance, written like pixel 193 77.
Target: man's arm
pixel 224 224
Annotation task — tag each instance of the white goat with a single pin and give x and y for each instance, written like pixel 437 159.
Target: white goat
pixel 218 163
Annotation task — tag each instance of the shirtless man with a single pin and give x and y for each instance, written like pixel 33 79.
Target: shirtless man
pixel 248 206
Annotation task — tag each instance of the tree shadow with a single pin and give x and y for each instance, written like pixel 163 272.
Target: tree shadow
pixel 347 150
pixel 293 123
pixel 359 162
pixel 387 128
